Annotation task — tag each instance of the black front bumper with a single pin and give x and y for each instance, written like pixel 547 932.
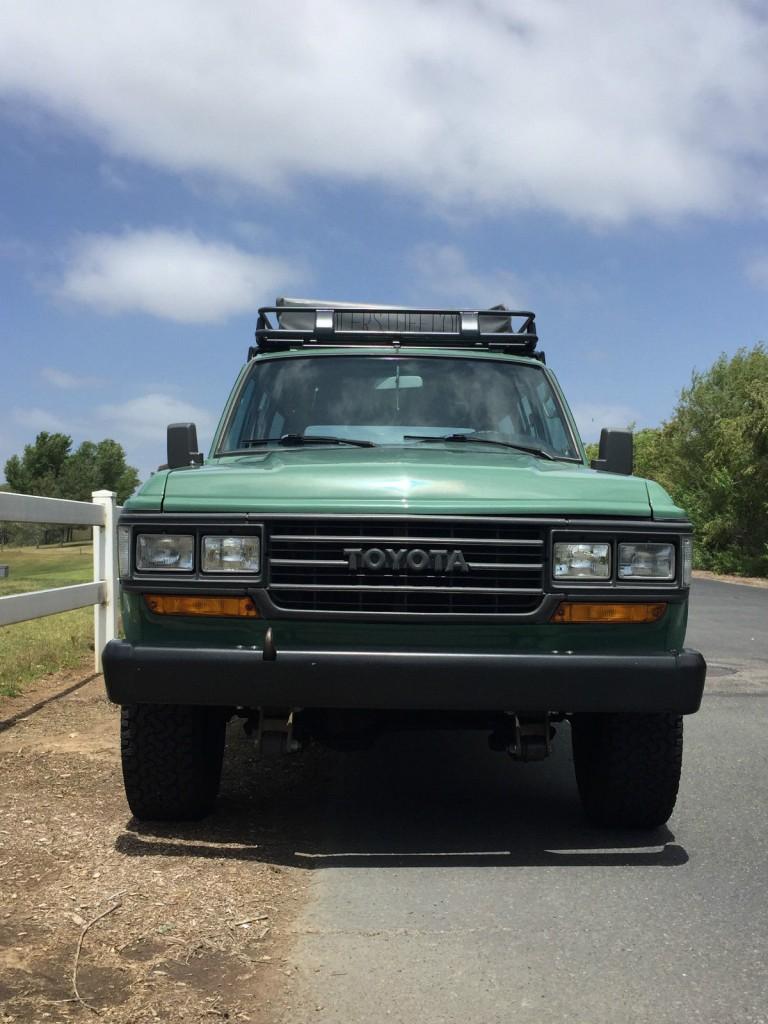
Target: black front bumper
pixel 404 680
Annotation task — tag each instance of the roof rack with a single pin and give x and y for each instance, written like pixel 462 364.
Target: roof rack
pixel 296 323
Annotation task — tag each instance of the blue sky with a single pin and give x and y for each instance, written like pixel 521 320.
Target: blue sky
pixel 166 169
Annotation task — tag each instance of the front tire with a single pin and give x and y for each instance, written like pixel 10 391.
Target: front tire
pixel 172 758
pixel 628 767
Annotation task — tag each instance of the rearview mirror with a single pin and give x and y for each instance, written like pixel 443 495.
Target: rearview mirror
pixel 616 453
pixel 182 446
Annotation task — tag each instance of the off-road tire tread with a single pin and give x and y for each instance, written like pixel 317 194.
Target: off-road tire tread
pixel 628 767
pixel 172 757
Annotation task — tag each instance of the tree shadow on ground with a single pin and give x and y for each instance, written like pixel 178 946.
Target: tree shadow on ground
pixel 414 800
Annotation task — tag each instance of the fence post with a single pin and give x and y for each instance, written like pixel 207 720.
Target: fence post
pixel 105 568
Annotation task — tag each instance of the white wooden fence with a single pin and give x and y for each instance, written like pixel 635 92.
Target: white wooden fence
pixel 101 592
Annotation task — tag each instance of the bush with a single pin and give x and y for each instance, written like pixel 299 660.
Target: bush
pixel 712 457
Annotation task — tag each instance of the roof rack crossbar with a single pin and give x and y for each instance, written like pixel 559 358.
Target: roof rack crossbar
pixel 290 325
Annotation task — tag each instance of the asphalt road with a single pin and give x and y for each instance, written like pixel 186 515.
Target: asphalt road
pixel 452 885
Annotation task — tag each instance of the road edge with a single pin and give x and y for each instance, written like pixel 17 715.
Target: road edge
pixel 745 581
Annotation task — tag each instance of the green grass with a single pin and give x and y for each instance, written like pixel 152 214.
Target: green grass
pixel 29 650
pixel 41 568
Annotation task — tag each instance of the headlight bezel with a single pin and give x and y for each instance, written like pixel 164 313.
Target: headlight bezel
pixel 681 543
pixel 133 574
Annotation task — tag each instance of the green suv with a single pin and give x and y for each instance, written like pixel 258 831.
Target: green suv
pixel 397 527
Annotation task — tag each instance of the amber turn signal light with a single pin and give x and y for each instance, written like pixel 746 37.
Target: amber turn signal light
pixel 584 611
pixel 179 604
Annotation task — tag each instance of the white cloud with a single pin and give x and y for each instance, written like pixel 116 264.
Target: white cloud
pixel 591 417
pixel 442 272
pixel 170 274
pixel 38 419
pixel 146 417
pixel 757 270
pixel 598 111
pixel 111 178
pixel 65 381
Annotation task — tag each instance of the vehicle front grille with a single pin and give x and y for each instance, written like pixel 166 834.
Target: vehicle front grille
pixel 310 572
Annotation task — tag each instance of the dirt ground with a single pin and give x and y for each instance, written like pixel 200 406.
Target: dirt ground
pixel 178 923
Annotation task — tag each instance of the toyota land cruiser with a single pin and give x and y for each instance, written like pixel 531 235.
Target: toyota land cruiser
pixel 397 526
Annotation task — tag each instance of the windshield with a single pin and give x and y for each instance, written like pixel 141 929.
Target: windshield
pixel 384 399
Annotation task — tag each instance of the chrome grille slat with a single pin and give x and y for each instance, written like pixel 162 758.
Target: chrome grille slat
pixel 342 563
pixel 506 566
pixel 309 571
pixel 408 588
pixel 352 537
pixel 309 561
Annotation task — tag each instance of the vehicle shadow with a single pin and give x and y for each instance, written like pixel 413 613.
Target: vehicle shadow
pixel 413 800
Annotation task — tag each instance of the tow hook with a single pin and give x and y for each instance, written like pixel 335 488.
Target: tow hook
pixel 269 651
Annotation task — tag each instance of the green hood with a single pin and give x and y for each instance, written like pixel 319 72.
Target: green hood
pixel 417 480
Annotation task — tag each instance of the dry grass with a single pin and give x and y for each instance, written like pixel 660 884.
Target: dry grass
pixel 29 650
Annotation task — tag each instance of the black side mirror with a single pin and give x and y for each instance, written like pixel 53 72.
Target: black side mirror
pixel 182 446
pixel 616 454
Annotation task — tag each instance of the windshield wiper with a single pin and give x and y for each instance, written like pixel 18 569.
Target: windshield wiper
pixel 299 439
pixel 540 452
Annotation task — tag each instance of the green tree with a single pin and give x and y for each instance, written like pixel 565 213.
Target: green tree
pixel 50 468
pixel 713 458
pixel 650 455
pixel 95 467
pixel 39 468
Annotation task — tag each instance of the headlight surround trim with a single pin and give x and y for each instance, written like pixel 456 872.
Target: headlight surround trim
pixel 675 545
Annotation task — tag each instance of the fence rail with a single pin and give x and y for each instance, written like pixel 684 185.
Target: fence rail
pixel 101 592
pixel 30 508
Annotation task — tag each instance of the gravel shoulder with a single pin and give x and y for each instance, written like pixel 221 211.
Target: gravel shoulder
pixel 194 916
